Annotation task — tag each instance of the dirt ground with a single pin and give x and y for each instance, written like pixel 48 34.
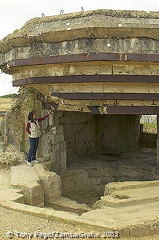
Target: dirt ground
pixel 22 226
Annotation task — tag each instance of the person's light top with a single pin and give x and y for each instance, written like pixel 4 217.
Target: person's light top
pixel 28 126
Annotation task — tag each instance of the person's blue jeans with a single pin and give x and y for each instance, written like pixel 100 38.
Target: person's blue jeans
pixel 33 148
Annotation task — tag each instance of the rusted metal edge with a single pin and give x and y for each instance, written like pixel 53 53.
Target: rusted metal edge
pixel 87 78
pixel 107 96
pixel 50 106
pixel 127 110
pixel 85 58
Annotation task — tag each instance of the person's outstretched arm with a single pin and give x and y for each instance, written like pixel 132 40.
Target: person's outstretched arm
pixel 44 117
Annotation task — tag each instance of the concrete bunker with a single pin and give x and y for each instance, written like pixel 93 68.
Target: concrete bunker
pixel 100 151
pixel 100 76
pixel 89 134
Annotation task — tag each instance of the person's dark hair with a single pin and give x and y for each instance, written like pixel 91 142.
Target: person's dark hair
pixel 30 116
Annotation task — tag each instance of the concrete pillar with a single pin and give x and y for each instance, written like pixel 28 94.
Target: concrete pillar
pixel 157 150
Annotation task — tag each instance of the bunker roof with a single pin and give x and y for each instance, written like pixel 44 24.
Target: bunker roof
pixel 89 24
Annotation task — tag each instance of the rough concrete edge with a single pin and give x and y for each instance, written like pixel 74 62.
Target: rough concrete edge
pixel 16 195
pixel 116 203
pixel 69 218
pixel 27 187
pixel 29 39
pixel 106 12
pixel 117 186
pixel 147 227
pixel 65 203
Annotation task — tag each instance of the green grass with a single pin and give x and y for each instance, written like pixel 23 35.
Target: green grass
pixel 150 127
pixel 14 95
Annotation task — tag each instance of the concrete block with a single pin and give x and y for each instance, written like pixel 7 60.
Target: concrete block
pixel 61 161
pixel 66 204
pixel 68 185
pixel 26 179
pixel 129 194
pixel 50 183
pixel 12 194
pixel 60 137
pixel 33 194
pixel 51 120
pixel 113 186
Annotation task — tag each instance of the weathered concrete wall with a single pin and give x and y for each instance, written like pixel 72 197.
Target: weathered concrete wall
pixel 88 68
pixel 120 133
pixel 148 140
pixel 16 118
pixel 52 144
pixel 79 185
pixel 86 180
pixel 68 135
pixel 81 46
pixel 87 133
pixel 80 134
pixel 91 24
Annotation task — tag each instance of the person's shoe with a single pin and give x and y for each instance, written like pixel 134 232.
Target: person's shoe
pixel 29 164
pixel 35 161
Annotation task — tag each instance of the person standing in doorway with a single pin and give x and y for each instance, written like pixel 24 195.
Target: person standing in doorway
pixel 33 129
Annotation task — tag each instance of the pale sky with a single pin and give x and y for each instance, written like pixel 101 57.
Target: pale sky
pixel 14 13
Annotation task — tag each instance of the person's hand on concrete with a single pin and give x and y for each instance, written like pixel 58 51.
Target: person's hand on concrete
pixel 49 112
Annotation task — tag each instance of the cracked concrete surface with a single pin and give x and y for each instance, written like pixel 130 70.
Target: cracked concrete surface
pixel 130 220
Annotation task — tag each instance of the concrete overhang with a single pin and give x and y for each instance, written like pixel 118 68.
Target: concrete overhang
pixel 91 24
pixel 95 54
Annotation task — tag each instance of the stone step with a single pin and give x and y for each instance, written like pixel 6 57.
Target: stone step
pixel 27 179
pixel 134 220
pixel 113 186
pixel 66 204
pixel 131 196
pixel 12 194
